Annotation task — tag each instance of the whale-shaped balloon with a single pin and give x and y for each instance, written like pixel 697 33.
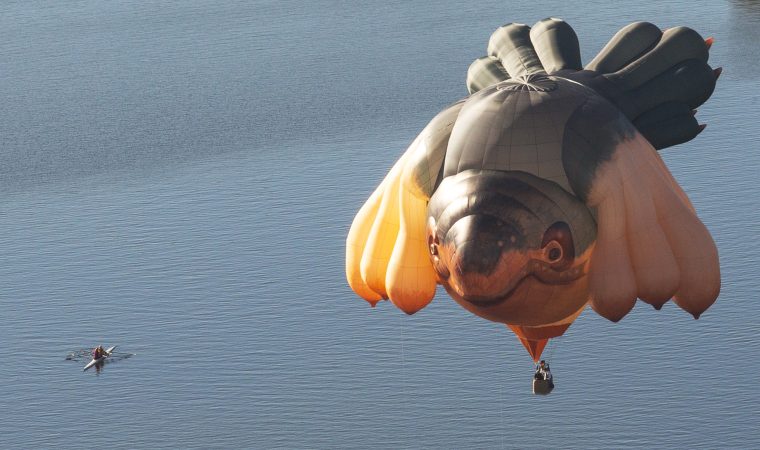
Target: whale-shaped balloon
pixel 542 191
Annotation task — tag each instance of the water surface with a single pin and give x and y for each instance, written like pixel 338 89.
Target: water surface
pixel 178 180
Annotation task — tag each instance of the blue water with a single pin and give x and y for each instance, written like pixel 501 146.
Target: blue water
pixel 178 179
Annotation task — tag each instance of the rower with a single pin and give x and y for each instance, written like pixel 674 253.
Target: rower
pixel 542 371
pixel 98 352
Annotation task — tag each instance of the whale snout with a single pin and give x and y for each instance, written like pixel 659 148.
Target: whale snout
pixel 502 243
pixel 478 242
pixel 481 257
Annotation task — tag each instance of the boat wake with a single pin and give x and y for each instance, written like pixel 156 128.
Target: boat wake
pixel 85 355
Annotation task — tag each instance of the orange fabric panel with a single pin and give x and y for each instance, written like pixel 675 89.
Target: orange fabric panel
pixel 538 333
pixel 535 339
pixel 535 348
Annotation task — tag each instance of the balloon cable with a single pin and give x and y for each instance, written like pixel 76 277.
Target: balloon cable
pixel 502 394
pixel 403 372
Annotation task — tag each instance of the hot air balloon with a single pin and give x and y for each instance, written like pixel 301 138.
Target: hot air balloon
pixel 542 191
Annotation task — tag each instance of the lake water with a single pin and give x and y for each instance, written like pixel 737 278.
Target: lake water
pixel 178 179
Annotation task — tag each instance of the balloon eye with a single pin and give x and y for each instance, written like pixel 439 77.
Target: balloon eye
pixel 433 245
pixel 557 245
pixel 553 251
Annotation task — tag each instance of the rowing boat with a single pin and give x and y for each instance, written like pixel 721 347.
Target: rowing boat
pixel 109 350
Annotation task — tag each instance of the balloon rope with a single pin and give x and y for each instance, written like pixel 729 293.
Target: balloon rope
pixel 403 372
pixel 502 399
pixel 553 344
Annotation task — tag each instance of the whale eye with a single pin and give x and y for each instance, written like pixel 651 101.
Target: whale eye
pixel 557 245
pixel 433 245
pixel 553 251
